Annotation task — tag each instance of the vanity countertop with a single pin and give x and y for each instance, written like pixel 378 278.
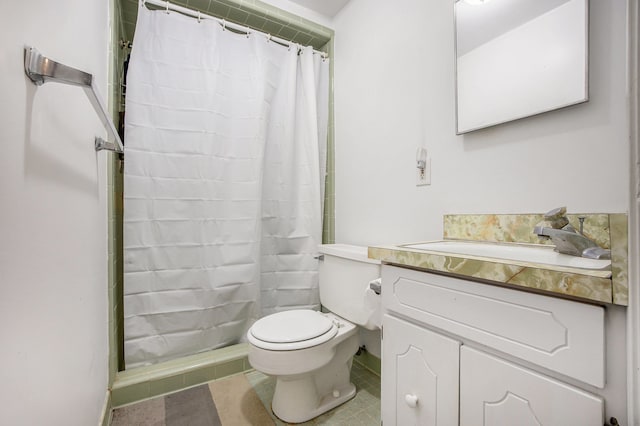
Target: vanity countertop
pixel 608 230
pixel 586 284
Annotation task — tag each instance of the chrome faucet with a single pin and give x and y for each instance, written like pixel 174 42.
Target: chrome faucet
pixel 565 237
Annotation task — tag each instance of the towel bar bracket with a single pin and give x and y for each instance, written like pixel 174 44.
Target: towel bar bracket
pixel 101 144
pixel 41 69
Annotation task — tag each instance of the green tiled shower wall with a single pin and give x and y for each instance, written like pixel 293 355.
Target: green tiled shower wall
pixel 252 13
pixel 114 195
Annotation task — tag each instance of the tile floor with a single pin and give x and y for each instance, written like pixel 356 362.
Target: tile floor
pixel 362 410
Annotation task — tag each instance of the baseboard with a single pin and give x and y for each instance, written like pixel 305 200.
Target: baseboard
pixel 105 417
pixel 147 382
pixel 368 361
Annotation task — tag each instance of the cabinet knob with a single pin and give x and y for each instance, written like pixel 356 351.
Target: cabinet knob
pixel 411 400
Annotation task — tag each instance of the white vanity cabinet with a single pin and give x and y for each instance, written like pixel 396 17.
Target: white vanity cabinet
pixel 496 392
pixel 421 376
pixel 460 352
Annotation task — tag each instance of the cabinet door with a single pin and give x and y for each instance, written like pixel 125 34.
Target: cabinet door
pixel 420 371
pixel 494 392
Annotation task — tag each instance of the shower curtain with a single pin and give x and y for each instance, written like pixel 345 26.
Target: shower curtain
pixel 224 183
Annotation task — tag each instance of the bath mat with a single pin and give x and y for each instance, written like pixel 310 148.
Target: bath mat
pixel 226 402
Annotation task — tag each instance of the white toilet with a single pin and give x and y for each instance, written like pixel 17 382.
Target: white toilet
pixel 309 352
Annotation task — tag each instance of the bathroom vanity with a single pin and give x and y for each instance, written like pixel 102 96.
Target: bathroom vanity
pixel 463 346
pixel 449 342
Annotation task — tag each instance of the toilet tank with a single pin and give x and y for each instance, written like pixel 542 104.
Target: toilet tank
pixel 345 273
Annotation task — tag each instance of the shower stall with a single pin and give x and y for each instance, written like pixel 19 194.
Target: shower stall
pixel 227 131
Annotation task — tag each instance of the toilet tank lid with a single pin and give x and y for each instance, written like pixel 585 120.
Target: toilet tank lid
pixel 347 251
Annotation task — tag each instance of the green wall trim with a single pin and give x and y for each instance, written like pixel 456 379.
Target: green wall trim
pixel 251 13
pixel 105 416
pixel 329 214
pixel 114 200
pixel 370 362
pixel 319 34
pixel 147 382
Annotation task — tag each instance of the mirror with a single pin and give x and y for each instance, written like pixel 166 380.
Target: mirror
pixel 517 58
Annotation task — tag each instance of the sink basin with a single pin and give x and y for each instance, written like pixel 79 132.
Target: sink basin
pixel 515 252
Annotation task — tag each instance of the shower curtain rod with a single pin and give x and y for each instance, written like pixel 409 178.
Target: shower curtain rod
pixel 225 24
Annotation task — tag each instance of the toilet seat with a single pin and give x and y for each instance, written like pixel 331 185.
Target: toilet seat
pixel 292 330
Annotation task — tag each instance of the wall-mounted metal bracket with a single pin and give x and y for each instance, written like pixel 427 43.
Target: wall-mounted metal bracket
pixel 41 69
pixel 102 144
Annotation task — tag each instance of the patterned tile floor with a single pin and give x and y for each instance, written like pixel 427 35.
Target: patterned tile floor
pixel 363 409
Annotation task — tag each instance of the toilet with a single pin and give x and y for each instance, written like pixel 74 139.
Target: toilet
pixel 309 352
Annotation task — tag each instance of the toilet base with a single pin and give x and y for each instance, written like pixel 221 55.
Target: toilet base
pixel 311 381
pixel 301 397
pixel 299 411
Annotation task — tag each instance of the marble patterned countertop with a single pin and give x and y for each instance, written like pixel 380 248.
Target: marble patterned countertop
pixel 602 286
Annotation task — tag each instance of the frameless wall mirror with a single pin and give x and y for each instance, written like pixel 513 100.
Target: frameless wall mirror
pixel 517 58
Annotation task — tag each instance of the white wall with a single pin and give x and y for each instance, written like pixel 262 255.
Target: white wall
pixel 394 91
pixel 53 244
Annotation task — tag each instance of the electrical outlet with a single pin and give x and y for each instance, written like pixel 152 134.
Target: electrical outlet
pixel 423 177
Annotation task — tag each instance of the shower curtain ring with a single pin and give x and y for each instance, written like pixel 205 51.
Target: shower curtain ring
pixel 224 25
pixel 167 5
pixel 198 17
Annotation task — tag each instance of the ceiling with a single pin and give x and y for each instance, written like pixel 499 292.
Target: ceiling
pixel 325 7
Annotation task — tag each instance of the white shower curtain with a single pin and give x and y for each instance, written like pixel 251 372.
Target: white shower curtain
pixel 224 183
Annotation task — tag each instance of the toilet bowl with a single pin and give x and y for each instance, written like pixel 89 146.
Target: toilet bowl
pixel 309 352
pixel 312 376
